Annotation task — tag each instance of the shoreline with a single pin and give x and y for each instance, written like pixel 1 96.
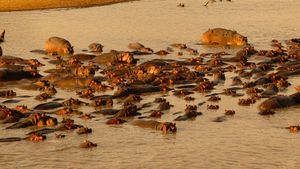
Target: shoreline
pixel 26 5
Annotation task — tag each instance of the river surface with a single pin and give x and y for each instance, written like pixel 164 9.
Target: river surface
pixel 246 140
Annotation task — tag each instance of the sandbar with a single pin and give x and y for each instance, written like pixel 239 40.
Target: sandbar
pixel 20 5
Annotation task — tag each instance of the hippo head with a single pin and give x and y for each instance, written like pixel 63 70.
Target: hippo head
pixel 153 70
pixel 115 121
pixel 121 92
pixel 168 127
pixel 51 121
pixel 240 40
pixel 67 50
pixel 125 57
pixel 37 137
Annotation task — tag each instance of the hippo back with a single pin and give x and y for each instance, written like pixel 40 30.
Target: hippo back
pixel 147 124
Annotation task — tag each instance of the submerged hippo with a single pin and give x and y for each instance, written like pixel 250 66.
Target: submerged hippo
pixel 139 48
pixel 13 75
pixel 280 102
pixel 58 46
pixel 73 82
pixel 32 137
pixel 114 57
pixel 96 47
pixel 221 36
pixel 165 127
pixel 87 144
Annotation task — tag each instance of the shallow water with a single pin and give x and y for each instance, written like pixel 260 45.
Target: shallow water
pixel 246 140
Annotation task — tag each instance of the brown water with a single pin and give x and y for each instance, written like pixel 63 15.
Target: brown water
pixel 246 140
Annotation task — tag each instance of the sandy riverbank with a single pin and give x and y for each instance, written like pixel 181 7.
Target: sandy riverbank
pixel 18 5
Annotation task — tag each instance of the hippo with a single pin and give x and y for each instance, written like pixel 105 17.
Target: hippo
pixel 115 121
pixel 139 48
pixel 220 119
pixel 114 57
pixel 137 89
pixel 164 106
pixel 58 46
pixel 87 144
pixel 35 120
pixel 47 106
pixel 71 82
pixel 83 57
pixel 2 36
pixel 96 47
pixel 99 102
pixel 106 111
pixel 84 130
pixel 32 137
pixel 190 113
pixel 165 127
pixel 162 52
pixel 73 103
pixel 221 36
pixel 14 75
pixel 180 5
pixel 271 89
pixel 154 114
pixel 135 46
pixel 8 115
pixel 128 111
pixel 179 46
pixel 66 125
pixel 86 116
pixel 7 93
pixel 280 101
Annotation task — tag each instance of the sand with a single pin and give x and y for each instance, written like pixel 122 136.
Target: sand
pixel 18 5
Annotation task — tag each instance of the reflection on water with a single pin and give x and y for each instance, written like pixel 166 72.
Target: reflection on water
pixel 245 141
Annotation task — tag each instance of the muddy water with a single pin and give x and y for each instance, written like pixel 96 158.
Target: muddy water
pixel 246 140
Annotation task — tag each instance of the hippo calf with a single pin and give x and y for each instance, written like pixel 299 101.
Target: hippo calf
pixel 221 36
pixel 58 46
